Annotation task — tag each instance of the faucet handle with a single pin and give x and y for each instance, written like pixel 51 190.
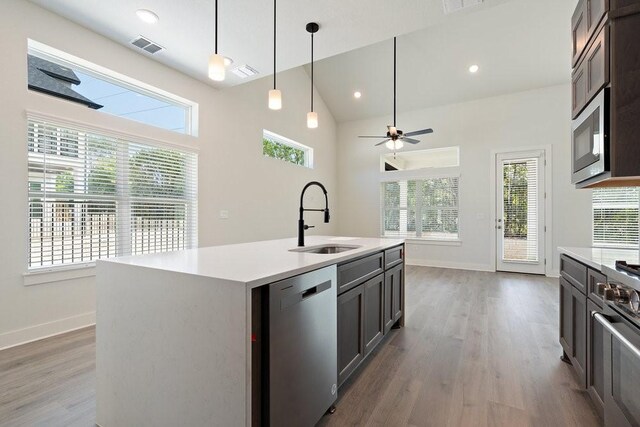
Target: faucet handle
pixel 306 227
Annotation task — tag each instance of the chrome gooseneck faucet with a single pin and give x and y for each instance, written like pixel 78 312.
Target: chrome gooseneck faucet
pixel 301 225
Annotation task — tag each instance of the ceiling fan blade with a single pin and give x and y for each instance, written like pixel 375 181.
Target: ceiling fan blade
pixel 369 136
pixel 419 132
pixel 382 142
pixel 410 140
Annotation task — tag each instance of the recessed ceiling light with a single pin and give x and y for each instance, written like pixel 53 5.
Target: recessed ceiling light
pixel 357 95
pixel 474 69
pixel 227 61
pixel 147 16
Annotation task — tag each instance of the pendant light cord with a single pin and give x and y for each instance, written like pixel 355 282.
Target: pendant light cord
pixel 215 39
pixel 274 44
pixel 312 72
pixel 394 82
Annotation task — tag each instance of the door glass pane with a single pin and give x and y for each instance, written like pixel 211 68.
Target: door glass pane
pixel 520 210
pixel 625 377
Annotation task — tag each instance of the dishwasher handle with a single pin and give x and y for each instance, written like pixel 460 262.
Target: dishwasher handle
pixel 289 298
pixel 309 292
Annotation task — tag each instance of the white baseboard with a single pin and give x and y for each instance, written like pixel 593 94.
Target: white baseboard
pixel 45 330
pixel 462 266
pixel 447 264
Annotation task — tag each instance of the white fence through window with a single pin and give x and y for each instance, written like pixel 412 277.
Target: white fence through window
pixel 94 196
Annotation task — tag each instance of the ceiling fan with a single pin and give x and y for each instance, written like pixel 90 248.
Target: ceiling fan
pixel 395 137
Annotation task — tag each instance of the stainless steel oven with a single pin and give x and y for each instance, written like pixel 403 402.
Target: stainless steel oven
pixel 621 369
pixel 620 319
pixel 590 140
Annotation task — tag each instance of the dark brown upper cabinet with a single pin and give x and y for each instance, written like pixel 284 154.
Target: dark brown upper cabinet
pixel 592 74
pixel 605 56
pixel 585 21
pixel 579 31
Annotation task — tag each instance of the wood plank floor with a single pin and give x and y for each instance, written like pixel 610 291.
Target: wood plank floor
pixel 479 349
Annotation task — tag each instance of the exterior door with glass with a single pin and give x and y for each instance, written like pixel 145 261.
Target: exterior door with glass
pixel 520 224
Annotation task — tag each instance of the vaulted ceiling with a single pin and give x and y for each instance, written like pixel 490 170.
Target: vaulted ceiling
pixel 519 44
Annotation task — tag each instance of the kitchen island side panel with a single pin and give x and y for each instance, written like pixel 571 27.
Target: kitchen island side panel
pixel 171 348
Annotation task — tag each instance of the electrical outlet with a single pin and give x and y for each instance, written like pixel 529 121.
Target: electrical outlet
pixel 224 214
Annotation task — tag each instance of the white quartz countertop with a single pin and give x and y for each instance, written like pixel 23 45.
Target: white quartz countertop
pixel 598 258
pixel 257 263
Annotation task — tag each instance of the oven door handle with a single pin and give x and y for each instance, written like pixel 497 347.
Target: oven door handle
pixel 616 333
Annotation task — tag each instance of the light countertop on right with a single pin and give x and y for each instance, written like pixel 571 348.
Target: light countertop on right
pixel 598 258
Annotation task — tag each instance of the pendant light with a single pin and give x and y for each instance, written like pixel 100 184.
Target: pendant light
pixel 275 97
pixel 216 62
pixel 312 116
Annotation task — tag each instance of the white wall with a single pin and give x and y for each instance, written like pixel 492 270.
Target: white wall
pixel 511 122
pixel 260 194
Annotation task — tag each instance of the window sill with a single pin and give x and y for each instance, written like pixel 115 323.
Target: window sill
pixel 433 242
pixel 58 274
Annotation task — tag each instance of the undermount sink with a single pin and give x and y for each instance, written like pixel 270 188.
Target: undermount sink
pixel 325 249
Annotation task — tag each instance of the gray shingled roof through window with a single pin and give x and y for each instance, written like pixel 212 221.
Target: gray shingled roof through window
pixel 53 79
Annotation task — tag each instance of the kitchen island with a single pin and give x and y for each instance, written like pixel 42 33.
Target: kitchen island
pixel 174 331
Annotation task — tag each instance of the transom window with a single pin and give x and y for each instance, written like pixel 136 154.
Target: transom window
pixel 279 147
pixel 615 217
pixel 59 74
pixel 93 195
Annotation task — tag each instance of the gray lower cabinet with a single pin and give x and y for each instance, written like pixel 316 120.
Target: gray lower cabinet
pixel 595 358
pixel 370 302
pixel 573 328
pixel 350 331
pixel 393 296
pixel 581 336
pixel 566 318
pixel 373 312
pixel 579 318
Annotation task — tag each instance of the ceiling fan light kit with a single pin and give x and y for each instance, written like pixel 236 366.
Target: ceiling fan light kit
pixel 394 145
pixel 275 96
pixel 395 138
pixel 216 62
pixel 312 116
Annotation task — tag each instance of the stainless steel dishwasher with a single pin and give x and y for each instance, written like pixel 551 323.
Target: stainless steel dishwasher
pixel 303 355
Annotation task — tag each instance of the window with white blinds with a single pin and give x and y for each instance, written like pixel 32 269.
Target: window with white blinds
pixel 420 208
pixel 94 195
pixel 615 217
pixel 520 210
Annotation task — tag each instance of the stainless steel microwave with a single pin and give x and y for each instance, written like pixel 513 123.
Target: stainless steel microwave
pixel 590 140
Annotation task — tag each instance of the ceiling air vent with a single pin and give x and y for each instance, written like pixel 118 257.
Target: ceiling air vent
pixel 451 6
pixel 244 71
pixel 146 45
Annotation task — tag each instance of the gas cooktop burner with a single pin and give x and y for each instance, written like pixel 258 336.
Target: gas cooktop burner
pixel 629 268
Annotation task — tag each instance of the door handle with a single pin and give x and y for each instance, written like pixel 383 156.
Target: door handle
pixel 613 331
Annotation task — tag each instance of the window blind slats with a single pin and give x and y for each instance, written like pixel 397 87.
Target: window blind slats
pixel 95 196
pixel 615 217
pixel 424 208
pixel 520 210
